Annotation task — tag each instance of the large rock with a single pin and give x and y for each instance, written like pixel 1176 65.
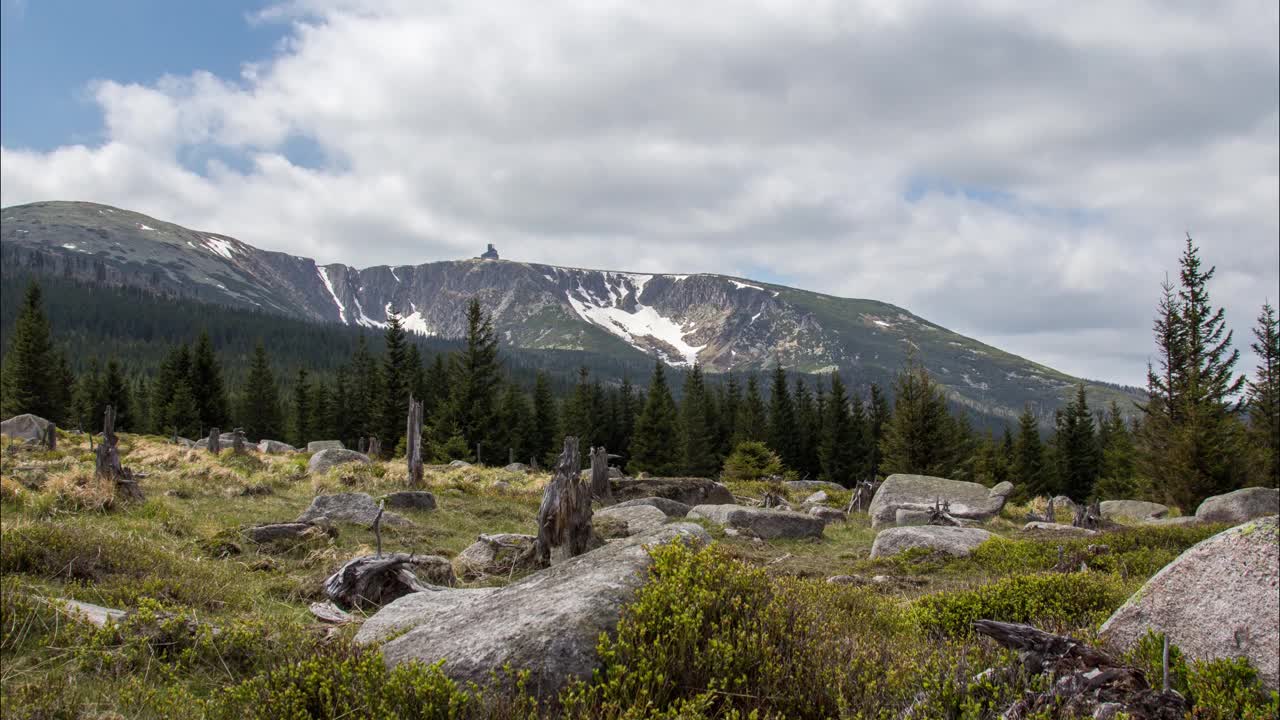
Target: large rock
pixel 548 623
pixel 516 467
pixel 322 461
pixel 224 442
pixel 919 492
pixel 637 519
pixel 828 514
pixel 24 427
pixel 500 554
pixel 410 611
pixel 1056 529
pixel 761 523
pixel 689 491
pixel 1001 489
pixel 1131 509
pixel 670 507
pixel 317 445
pixel 1220 598
pixel 412 499
pixel 355 507
pixel 951 540
pixel 1240 506
pixel 275 447
pixel 811 485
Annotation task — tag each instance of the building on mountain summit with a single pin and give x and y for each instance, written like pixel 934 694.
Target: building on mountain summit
pixel 490 254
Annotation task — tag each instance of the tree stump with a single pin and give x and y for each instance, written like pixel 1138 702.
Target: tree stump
pixel 370 581
pixel 940 514
pixel 361 446
pixel 375 447
pixel 773 499
pixel 50 437
pixel 107 460
pixel 413 442
pixel 564 517
pixel 600 489
pixel 1088 516
pixel 237 441
pixel 215 441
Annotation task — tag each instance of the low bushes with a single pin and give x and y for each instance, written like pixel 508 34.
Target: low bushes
pixel 1061 599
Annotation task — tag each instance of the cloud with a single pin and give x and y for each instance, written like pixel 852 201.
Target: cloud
pixel 1019 171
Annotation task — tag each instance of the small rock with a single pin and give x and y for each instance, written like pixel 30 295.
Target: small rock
pixel 817 498
pixel 256 490
pixel 316 446
pixel 263 534
pixel 828 514
pixel 812 485
pixel 1131 509
pixel 670 508
pixel 412 499
pixel 856 580
pixel 956 541
pixel 459 464
pixel 501 486
pixel 1240 506
pixel 325 459
pixel 516 468
pixel 761 523
pixel 1002 489
pixel 275 447
pixel 499 554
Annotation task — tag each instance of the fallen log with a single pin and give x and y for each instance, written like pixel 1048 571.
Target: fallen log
pixel 370 581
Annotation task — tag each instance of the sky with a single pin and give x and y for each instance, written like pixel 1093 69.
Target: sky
pixel 1021 171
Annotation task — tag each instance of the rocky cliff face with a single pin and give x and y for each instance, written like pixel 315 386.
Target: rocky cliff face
pixel 722 322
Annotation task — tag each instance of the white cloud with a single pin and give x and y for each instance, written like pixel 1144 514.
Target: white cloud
pixel 1021 171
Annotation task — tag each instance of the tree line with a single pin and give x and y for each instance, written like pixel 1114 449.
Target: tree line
pixel 1202 430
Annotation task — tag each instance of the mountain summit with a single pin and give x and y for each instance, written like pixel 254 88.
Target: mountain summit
pixel 725 323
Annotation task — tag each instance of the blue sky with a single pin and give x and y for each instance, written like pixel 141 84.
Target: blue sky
pixel 51 50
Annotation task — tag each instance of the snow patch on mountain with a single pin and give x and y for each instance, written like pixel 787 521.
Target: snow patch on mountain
pixel 364 320
pixel 219 246
pixel 632 327
pixel 323 272
pixel 414 322
pixel 742 285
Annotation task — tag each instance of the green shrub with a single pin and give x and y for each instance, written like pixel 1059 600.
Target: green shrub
pixel 1072 599
pixel 751 461
pixel 1220 689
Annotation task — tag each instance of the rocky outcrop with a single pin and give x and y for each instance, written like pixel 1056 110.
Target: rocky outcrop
pixel 919 492
pixel 317 445
pixel 812 485
pixel 956 541
pixel 1131 509
pixel 354 507
pixel 759 522
pixel 414 609
pixel 1220 598
pixel 24 427
pixel 548 623
pixel 1240 506
pixel 636 519
pixel 671 508
pixel 224 441
pixel 275 447
pixel 500 554
pixel 688 491
pixel 411 499
pixel 325 460
pixel 1176 521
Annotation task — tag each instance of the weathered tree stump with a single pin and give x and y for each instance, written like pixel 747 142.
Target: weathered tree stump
pixel 107 460
pixel 215 441
pixel 564 517
pixel 940 514
pixel 361 445
pixel 773 499
pixel 237 441
pixel 413 442
pixel 375 447
pixel 49 438
pixel 370 581
pixel 1085 679
pixel 861 498
pixel 600 489
pixel 1088 516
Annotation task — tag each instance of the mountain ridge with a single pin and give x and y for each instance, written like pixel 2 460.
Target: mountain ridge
pixel 722 322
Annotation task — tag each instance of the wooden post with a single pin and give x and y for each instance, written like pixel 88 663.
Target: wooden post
pixel 377 527
pixel 600 489
pixel 564 518
pixel 215 441
pixel 174 439
pixel 1164 663
pixel 413 442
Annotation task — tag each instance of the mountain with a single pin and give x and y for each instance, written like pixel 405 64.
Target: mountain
pixel 726 323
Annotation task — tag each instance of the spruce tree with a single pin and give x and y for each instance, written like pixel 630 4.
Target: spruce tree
pixel 752 422
pixel 1077 449
pixel 302 431
pixel 142 406
pixel 628 408
pixel 366 392
pixel 655 447
pixel 476 379
pixel 28 380
pixel 1115 441
pixel 920 438
pixel 321 408
pixel 206 384
pixel 730 409
pixel 115 391
pixel 878 416
pixel 807 424
pixel 783 437
pixel 546 422
pixel 436 391
pixel 1263 397
pixel 1030 468
pixel 174 369
pixel 183 413
pixel 837 446
pixel 416 374
pixel 396 385
pixel 516 421
pixel 260 409
pixel 340 418
pixel 698 432
pixel 582 416
pixel 88 394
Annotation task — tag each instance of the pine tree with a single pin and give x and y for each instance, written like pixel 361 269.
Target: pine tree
pixel 396 384
pixel 27 380
pixel 697 443
pixel 340 418
pixel 656 446
pixel 546 422
pixel 751 425
pixel 321 421
pixel 582 416
pixel 920 438
pixel 628 408
pixel 115 390
pixel 142 406
pixel 1115 441
pixel 476 378
pixel 783 437
pixel 416 374
pixel 1077 449
pixel 730 410
pixel 174 369
pixel 838 444
pixel 1030 466
pixel 183 412
pixel 516 420
pixel 366 393
pixel 88 394
pixel 1263 397
pixel 260 409
pixel 807 424
pixel 302 431
pixel 878 416
pixel 436 391
pixel 206 384
pixel 63 387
